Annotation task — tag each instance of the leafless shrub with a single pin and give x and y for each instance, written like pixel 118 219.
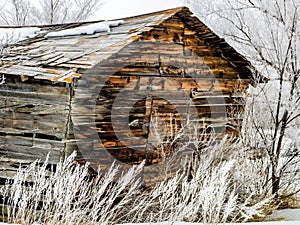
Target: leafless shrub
pixel 272 118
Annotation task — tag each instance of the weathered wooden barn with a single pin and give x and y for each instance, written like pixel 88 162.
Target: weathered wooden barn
pixel 100 93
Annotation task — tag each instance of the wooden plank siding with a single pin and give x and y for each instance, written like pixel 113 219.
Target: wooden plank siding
pixel 169 62
pixel 83 92
pixel 33 122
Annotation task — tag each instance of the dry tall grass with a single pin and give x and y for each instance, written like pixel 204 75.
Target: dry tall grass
pixel 67 196
pixel 209 190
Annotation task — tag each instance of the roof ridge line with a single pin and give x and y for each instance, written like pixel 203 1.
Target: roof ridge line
pixel 175 10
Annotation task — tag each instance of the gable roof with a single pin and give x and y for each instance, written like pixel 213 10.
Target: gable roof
pixel 60 59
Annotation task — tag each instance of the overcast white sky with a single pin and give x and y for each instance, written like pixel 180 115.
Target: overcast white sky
pixel 114 9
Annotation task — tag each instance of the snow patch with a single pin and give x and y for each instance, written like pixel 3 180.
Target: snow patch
pixel 286 215
pixel 14 35
pixel 254 223
pixel 8 224
pixel 87 29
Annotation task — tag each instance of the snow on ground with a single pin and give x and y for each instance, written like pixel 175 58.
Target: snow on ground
pixel 280 217
pixel 7 224
pixel 285 214
pixel 183 223
pixel 13 35
pixel 258 223
pixel 88 29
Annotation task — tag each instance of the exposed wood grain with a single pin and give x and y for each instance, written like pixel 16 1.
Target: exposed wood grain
pixel 167 67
